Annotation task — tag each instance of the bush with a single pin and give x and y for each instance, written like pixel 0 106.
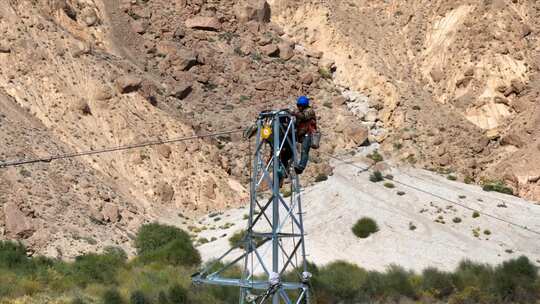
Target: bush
pixel 376 156
pixel 476 214
pixel 339 281
pixel 396 283
pixel 437 283
pixel 138 297
pixel 178 295
pixel 238 236
pixel 456 220
pixel 497 186
pixel 365 227
pixel 13 255
pixel 156 242
pixel 95 268
pixel 452 177
pixel 112 296
pixel 376 177
pixel 514 280
pixel 389 185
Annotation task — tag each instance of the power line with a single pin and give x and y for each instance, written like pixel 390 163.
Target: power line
pixel 50 158
pixel 367 169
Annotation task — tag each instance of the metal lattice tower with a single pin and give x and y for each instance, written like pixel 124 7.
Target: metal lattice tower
pixel 273 246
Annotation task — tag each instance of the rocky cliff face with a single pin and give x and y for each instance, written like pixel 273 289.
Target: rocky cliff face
pixel 77 75
pixel 457 81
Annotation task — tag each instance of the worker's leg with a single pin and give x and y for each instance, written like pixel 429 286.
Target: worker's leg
pixel 306 146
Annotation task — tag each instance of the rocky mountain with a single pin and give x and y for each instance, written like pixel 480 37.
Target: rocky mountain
pixel 78 75
pixel 447 85
pixel 457 82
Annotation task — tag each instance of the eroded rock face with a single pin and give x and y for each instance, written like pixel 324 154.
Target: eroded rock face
pixel 204 23
pixel 128 83
pixel 253 10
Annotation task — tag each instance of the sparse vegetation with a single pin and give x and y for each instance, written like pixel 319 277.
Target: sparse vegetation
pixel 457 220
pixel 497 186
pixel 325 73
pixel 321 178
pixel 412 226
pixel 476 214
pixel 376 177
pixel 238 237
pixel 389 185
pixel 365 227
pixel 514 281
pixel 452 177
pixel 401 193
pixel 375 156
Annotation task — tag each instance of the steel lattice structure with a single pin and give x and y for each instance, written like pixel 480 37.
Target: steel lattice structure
pixel 275 224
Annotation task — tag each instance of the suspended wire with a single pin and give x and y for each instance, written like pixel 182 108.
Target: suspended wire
pixel 367 169
pixel 50 158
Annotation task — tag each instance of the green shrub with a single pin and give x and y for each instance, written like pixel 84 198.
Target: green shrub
pixel 112 296
pixel 376 177
pixel 168 244
pixel 437 283
pixel 456 220
pixel 178 295
pixel 452 177
pixel 325 73
pixel 476 214
pixel 514 280
pixel 376 156
pixel 238 236
pixel 364 227
pixel 391 285
pixel 77 300
pixel 389 185
pixel 340 281
pixel 497 186
pixel 13 255
pixel 138 297
pixel 95 268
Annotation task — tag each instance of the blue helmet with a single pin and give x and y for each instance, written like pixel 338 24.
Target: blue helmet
pixel 302 101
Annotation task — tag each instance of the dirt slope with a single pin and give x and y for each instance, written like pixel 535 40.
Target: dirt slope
pixel 458 80
pixel 416 230
pixel 78 75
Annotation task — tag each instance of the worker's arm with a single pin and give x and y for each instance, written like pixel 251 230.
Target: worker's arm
pixel 305 115
pixel 250 131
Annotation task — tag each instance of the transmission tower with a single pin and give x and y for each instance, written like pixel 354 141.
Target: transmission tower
pixel 272 253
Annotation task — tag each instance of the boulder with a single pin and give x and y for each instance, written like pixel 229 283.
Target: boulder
pixel 165 192
pixel 110 213
pixel 17 225
pixel 286 50
pixel 270 50
pixel 518 86
pixel 204 23
pixel 128 83
pixel 164 150
pixel 306 78
pixel 437 74
pixel 182 91
pixel 252 10
pixel 4 48
pixel 183 59
pixel 140 26
pixel 358 134
pixel 89 17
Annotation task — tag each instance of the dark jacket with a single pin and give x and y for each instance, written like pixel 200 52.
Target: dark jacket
pixel 306 122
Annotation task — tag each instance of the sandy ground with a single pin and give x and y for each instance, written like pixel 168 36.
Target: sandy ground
pixel 332 207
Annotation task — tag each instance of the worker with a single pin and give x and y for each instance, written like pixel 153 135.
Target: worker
pixel 306 128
